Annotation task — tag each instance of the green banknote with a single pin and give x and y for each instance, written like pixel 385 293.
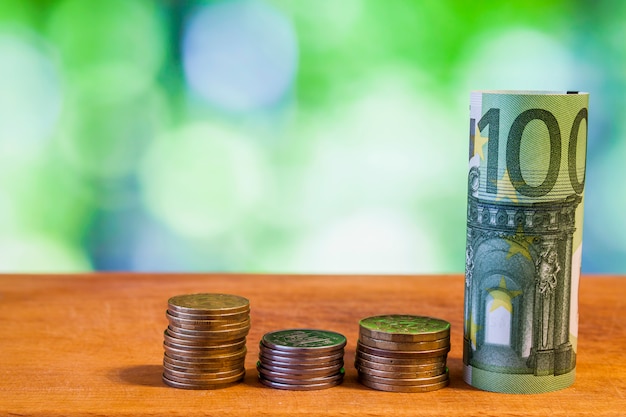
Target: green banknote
pixel 524 237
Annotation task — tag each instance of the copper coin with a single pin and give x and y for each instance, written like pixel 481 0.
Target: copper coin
pixel 200 345
pixel 207 365
pixel 194 375
pixel 304 341
pixel 192 386
pixel 224 358
pixel 224 380
pixel 199 385
pixel 326 370
pixel 207 348
pixel 206 353
pixel 400 361
pixel 404 388
pixel 220 335
pixel 191 357
pixel 204 369
pixel 207 332
pixel 224 317
pixel 208 326
pixel 404 381
pixel 200 368
pixel 399 375
pixel 404 328
pixel 405 346
pixel 298 365
pixel 439 366
pixel 288 379
pixel 208 303
pixel 402 354
pixel 300 354
pixel 299 387
pixel 272 354
pixel 221 354
pixel 199 341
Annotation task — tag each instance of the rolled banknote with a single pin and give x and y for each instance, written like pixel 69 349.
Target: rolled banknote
pixel 524 237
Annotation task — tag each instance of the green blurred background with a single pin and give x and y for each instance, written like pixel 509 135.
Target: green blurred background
pixel 281 135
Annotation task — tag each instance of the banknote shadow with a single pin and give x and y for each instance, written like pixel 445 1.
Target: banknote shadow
pixel 143 375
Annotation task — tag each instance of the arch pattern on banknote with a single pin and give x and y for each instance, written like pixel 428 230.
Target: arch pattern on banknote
pixel 518 284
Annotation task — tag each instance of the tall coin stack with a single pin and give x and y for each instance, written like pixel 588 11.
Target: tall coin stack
pixel 205 342
pixel 301 359
pixel 403 353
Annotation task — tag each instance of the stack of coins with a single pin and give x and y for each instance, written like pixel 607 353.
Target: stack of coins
pixel 403 353
pixel 205 342
pixel 301 359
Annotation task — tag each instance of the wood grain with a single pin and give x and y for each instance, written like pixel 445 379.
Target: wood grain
pixel 92 345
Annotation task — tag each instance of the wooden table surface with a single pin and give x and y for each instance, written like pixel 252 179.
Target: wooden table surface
pixel 92 345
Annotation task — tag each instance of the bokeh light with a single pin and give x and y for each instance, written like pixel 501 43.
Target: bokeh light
pixel 30 102
pixel 281 136
pixel 527 59
pixel 239 55
pixel 106 139
pixel 607 214
pixel 39 253
pixel 111 48
pixel 201 179
pixel 373 240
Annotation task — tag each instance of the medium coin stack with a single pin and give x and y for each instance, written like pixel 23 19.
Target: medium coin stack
pixel 403 353
pixel 205 342
pixel 301 359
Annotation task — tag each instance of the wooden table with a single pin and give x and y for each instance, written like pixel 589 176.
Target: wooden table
pixel 92 345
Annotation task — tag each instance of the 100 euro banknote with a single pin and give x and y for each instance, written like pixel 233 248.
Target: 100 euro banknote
pixel 524 238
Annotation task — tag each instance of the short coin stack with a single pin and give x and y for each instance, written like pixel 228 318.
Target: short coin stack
pixel 301 359
pixel 205 342
pixel 403 353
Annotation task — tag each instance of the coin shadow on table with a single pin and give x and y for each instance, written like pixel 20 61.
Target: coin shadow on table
pixel 144 375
